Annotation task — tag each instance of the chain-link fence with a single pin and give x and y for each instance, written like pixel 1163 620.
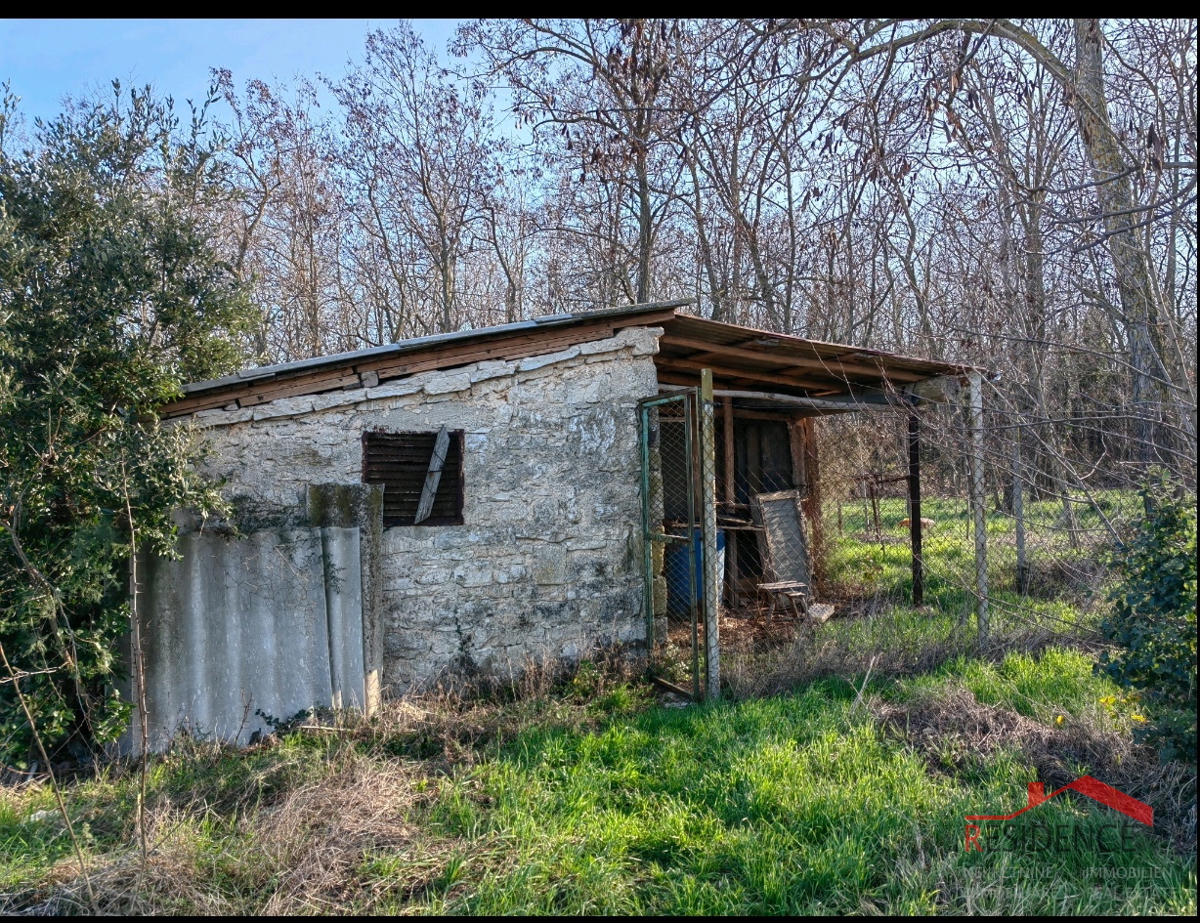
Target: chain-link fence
pixel 761 519
pixel 674 547
pixel 727 548
pixel 1052 515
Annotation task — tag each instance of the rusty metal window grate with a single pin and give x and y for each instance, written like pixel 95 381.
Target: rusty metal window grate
pixel 402 463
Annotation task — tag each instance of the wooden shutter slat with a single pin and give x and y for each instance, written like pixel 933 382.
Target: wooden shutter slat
pixel 402 463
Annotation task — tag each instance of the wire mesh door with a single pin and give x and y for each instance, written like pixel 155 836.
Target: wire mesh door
pixel 673 540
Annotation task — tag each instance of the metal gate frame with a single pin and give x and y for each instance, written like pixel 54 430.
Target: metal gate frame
pixel 696 406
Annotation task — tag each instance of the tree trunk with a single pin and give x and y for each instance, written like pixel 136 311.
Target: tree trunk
pixel 645 238
pixel 1115 196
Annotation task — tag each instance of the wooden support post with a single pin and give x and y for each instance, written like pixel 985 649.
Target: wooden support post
pixel 708 506
pixel 812 469
pixel 914 506
pixel 799 465
pixel 981 576
pixel 800 478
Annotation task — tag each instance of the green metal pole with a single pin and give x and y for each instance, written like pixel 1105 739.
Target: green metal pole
pixel 708 497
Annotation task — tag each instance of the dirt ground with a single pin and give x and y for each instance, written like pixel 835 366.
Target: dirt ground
pixel 743 629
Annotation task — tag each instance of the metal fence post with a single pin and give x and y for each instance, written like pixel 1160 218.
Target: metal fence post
pixel 708 499
pixel 914 507
pixel 981 584
pixel 1018 511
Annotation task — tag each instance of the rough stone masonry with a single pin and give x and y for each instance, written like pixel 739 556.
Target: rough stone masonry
pixel 547 563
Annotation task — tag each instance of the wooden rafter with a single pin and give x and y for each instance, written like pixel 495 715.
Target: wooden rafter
pixel 829 366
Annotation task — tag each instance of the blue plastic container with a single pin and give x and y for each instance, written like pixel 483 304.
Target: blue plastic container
pixel 679 574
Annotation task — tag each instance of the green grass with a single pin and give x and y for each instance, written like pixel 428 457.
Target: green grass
pixel 813 788
pixel 1056 683
pixel 1063 563
pixel 591 799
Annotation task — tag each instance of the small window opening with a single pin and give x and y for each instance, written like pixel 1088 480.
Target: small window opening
pixel 404 464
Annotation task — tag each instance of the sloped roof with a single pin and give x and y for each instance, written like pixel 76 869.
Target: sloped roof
pixel 740 358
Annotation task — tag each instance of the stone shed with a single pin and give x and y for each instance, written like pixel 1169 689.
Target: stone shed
pixel 477 497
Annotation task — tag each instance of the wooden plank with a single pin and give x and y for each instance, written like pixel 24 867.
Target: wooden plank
pixel 782 357
pixel 252 394
pixel 757 375
pixel 434 476
pixel 511 346
pixel 653 319
pixel 407 468
pixel 297 389
pixel 206 401
pixel 698 349
pixel 687 380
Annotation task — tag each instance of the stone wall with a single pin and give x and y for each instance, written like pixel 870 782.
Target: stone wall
pixel 548 561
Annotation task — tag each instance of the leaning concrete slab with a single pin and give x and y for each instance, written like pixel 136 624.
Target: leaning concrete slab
pixel 359 507
pixel 236 633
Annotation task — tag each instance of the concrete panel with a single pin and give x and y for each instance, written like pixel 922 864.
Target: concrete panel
pixel 360 507
pixel 343 611
pixel 239 627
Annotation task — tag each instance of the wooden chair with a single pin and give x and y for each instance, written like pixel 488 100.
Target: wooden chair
pixel 784 550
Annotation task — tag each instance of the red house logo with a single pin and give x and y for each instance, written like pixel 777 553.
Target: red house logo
pixel 1086 785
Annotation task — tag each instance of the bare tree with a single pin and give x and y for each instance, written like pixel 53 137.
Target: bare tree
pixel 598 88
pixel 416 150
pixel 288 232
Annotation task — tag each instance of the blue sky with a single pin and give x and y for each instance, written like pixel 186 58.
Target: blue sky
pixel 46 59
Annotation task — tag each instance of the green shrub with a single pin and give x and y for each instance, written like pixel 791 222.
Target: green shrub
pixel 111 296
pixel 1153 620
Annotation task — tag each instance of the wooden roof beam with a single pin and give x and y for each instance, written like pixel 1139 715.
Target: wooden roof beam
pixel 831 366
pixel 688 364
